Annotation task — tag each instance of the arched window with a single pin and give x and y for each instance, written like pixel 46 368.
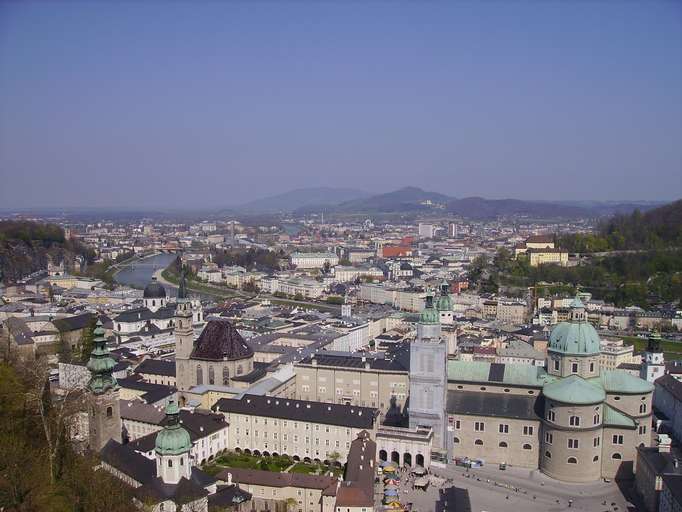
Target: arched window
pixel 527 447
pixel 239 369
pixel 182 461
pixel 226 376
pixel 478 442
pixel 456 440
pixel 154 304
pixel 574 421
pixel 110 412
pixel 503 444
pixel 642 408
pixel 595 458
pixel 572 460
pixel 211 375
pixel 170 463
pixel 548 454
pixel 616 456
pixel 200 375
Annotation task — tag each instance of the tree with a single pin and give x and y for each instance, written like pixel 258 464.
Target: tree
pixel 291 504
pixel 87 340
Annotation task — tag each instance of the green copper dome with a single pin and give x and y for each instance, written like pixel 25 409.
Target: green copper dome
pixel 429 314
pixel 577 336
pixel 101 365
pixel 173 439
pixel 574 390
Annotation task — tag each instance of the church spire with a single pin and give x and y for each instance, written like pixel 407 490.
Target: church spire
pixel 101 365
pixel 182 288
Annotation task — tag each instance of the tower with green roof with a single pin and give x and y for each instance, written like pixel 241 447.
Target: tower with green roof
pixel 444 304
pixel 173 446
pixel 428 375
pixel 104 414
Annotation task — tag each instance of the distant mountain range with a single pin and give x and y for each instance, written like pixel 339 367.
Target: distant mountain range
pixel 414 200
pixel 314 199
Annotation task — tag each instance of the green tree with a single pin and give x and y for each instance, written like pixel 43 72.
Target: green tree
pixel 87 340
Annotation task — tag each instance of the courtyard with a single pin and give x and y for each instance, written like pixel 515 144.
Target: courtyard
pixel 274 463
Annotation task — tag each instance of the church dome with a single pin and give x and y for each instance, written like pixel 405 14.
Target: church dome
pixel 173 439
pixel 577 336
pixel 221 341
pixel 154 290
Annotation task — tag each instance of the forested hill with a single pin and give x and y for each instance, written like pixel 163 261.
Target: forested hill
pixel 660 228
pixel 25 247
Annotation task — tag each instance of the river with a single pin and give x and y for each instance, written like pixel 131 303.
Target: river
pixel 139 273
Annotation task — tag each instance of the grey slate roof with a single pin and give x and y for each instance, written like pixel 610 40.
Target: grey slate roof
pixel 128 461
pixel 220 341
pixel 138 314
pixel 299 410
pixel 156 367
pixel 498 405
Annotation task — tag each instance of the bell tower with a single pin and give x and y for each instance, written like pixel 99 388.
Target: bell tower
pixel 184 337
pixel 104 413
pixel 653 365
pixel 428 375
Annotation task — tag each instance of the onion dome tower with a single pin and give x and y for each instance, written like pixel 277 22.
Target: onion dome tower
pixel 104 416
pixel 173 445
pixel 444 304
pixel 653 365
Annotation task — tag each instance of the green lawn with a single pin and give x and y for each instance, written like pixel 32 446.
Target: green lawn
pixel 671 349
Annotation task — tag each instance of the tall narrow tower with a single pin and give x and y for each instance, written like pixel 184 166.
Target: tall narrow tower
pixel 184 337
pixel 104 413
pixel 653 365
pixel 428 375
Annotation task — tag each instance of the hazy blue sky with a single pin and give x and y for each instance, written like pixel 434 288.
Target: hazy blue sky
pixel 215 103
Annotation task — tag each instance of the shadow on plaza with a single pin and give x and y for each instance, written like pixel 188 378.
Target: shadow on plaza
pixel 453 499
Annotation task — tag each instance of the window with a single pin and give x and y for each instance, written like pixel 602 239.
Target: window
pixel 591 367
pixel 200 375
pixel 458 424
pixel 527 447
pixel 456 440
pixel 504 429
pixel 110 412
pixel 616 398
pixel 574 367
pixel 548 454
pixel 572 460
pixel 503 444
pixel 595 458
pixel 573 444
pixel 226 376
pixel 574 421
pixel 556 364
pixel 527 430
pixel 642 408
pixel 479 426
pixel 616 456
pixel 239 369
pixel 478 442
pixel 596 441
pixel 182 461
pixel 170 463
pixel 617 439
pixel 483 388
pixel 595 419
pixel 211 375
pixel 551 416
pixel 548 438
pixel 642 429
